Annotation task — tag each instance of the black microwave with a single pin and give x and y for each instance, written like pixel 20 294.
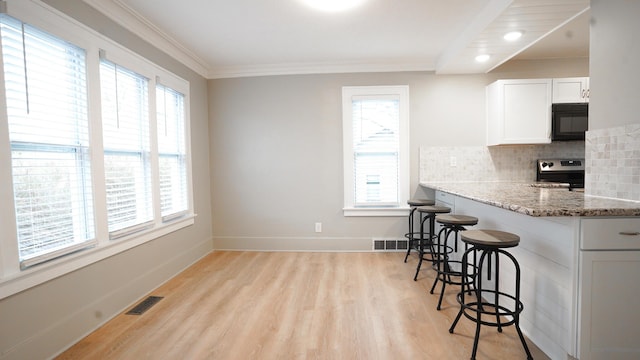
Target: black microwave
pixel 569 121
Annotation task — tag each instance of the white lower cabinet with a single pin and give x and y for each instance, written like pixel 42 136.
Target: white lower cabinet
pixel 609 314
pixel 609 318
pixel 445 199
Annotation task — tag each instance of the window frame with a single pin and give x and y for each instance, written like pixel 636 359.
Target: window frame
pixel 13 279
pixel 383 92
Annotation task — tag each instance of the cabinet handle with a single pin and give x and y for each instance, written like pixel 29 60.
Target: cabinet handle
pixel 584 93
pixel 629 233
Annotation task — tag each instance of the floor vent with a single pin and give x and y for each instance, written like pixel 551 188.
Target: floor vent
pixel 389 245
pixel 145 305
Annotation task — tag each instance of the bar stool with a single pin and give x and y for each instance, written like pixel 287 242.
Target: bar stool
pixel 490 243
pixel 449 270
pixel 412 235
pixel 428 213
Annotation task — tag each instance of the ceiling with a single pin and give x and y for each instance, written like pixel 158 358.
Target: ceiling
pixel 222 38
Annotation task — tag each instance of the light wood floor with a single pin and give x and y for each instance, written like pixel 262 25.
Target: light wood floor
pixel 258 305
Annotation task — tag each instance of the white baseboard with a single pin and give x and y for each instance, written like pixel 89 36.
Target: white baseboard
pixel 345 244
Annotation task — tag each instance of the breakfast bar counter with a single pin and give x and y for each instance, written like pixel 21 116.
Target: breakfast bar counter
pixel 538 199
pixel 580 255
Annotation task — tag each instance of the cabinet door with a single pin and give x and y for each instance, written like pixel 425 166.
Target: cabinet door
pixel 519 112
pixel 445 199
pixel 609 316
pixel 571 90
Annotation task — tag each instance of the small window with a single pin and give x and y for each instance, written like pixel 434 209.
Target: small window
pixel 375 126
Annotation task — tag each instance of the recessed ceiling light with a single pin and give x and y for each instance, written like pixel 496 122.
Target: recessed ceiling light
pixel 513 35
pixel 333 5
pixel 483 57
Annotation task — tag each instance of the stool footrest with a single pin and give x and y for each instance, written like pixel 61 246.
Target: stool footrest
pixel 445 275
pixel 471 310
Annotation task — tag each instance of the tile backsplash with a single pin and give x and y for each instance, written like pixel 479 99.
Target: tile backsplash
pixel 613 162
pixel 515 163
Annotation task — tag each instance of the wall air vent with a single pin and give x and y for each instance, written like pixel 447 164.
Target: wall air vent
pixel 145 305
pixel 389 245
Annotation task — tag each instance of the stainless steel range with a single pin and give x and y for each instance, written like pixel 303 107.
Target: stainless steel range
pixel 569 171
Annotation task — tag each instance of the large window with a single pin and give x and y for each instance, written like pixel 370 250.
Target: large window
pixel 375 123
pixel 127 163
pixel 96 143
pixel 172 152
pixel 47 113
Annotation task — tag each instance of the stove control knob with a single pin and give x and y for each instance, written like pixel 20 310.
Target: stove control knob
pixel 551 164
pixel 544 164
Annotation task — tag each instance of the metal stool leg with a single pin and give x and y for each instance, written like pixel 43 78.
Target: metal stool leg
pixel 410 239
pixel 516 316
pixel 424 242
pixel 421 246
pixel 442 266
pixel 461 297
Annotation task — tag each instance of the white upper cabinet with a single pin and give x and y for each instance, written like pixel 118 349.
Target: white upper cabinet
pixel 571 90
pixel 519 112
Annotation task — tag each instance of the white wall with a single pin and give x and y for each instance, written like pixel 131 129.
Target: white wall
pixel 613 139
pixel 276 150
pixel 614 67
pixel 42 321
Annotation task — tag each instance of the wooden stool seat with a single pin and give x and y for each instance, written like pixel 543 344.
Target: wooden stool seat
pixel 452 219
pixel 420 202
pixel 490 238
pixel 433 209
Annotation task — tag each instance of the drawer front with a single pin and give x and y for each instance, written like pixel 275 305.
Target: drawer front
pixel 610 234
pixel 445 199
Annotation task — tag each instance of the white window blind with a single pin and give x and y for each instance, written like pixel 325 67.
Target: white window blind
pixel 125 126
pixel 46 102
pixel 172 152
pixel 376 124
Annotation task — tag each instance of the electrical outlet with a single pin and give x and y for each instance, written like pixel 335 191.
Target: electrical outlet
pixel 318 227
pixel 453 162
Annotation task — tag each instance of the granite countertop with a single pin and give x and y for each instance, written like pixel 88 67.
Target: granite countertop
pixel 538 199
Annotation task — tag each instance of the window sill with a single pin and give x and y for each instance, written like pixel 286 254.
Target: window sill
pixel 41 273
pixel 376 211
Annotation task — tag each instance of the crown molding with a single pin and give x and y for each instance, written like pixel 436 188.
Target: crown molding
pixel 318 68
pixel 137 24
